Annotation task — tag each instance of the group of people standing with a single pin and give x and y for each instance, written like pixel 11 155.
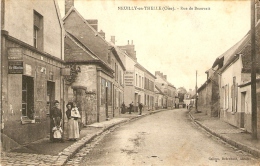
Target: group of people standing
pixel 72 114
pixel 130 108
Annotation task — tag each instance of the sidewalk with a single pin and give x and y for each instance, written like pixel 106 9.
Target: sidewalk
pixel 230 134
pixel 44 152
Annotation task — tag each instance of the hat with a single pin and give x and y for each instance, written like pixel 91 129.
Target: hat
pixel 56 101
pixel 69 103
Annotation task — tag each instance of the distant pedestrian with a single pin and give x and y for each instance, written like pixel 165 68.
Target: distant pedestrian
pixel 123 108
pixel 56 116
pixel 131 105
pixel 140 105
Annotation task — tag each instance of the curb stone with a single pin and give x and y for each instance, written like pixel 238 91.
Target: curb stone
pixel 241 146
pixel 66 152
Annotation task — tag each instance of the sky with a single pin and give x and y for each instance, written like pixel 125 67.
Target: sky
pixel 178 39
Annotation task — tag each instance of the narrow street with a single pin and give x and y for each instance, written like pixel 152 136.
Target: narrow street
pixel 165 138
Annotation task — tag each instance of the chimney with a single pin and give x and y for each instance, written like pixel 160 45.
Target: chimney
pixel 113 39
pixel 127 42
pixel 165 77
pixel 157 73
pixel 102 34
pixel 93 23
pixel 68 5
pixel 132 42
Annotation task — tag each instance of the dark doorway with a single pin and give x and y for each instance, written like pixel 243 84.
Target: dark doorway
pixel 50 99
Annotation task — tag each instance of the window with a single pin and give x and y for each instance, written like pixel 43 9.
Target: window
pixel 104 84
pixel 135 79
pixel 27 97
pixel 139 81
pixel 226 97
pixel 234 94
pixel 37 31
pixel 142 82
pixel 35 34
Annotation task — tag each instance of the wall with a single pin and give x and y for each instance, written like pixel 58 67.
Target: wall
pixel 40 69
pixel 23 30
pixel 234 70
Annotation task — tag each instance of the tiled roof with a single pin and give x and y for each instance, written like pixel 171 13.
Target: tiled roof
pixel 246 53
pixel 76 51
pixel 144 69
pixel 159 90
pixel 243 48
pixel 231 51
pixel 76 25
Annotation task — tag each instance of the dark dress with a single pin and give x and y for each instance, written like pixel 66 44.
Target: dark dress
pixel 140 108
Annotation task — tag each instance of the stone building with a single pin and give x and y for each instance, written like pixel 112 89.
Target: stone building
pixel 31 61
pixel 102 70
pixel 159 95
pixel 208 96
pixel 167 88
pixel 139 82
pixel 149 90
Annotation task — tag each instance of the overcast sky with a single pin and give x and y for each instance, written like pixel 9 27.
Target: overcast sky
pixel 176 42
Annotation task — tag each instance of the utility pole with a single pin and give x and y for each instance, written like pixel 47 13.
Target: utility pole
pixel 196 99
pixel 253 73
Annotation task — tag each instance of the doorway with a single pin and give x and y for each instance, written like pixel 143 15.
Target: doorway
pixel 50 98
pixel 243 109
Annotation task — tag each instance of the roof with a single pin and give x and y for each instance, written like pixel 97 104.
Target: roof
pixel 118 54
pixel 159 90
pixel 248 82
pixel 138 65
pixel 243 48
pixel 86 34
pixel 91 38
pixel 169 84
pixel 79 53
pixel 231 51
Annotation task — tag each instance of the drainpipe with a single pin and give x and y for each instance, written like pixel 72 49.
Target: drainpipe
pixel 253 72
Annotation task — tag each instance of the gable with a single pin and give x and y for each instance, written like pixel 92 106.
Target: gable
pixel 78 27
pixel 74 53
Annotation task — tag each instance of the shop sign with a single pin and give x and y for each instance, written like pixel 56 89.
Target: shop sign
pixel 129 78
pixel 15 53
pixel 15 67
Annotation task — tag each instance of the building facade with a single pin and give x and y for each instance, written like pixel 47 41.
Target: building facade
pixel 31 62
pixel 167 88
pixel 102 78
pixel 149 90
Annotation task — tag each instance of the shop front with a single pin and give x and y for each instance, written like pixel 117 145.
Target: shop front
pixel 31 82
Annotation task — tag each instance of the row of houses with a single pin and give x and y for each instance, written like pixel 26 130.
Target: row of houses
pixel 45 57
pixel 227 91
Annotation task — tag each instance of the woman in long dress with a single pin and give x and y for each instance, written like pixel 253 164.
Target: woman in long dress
pixel 73 126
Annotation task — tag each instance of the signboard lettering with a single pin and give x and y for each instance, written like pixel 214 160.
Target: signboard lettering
pixel 15 53
pixel 129 78
pixel 15 67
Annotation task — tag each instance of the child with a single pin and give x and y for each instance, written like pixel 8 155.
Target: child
pixel 57 130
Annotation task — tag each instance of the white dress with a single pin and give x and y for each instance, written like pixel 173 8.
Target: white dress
pixel 73 132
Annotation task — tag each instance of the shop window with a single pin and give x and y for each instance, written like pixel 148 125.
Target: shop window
pixel 37 31
pixel 27 97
